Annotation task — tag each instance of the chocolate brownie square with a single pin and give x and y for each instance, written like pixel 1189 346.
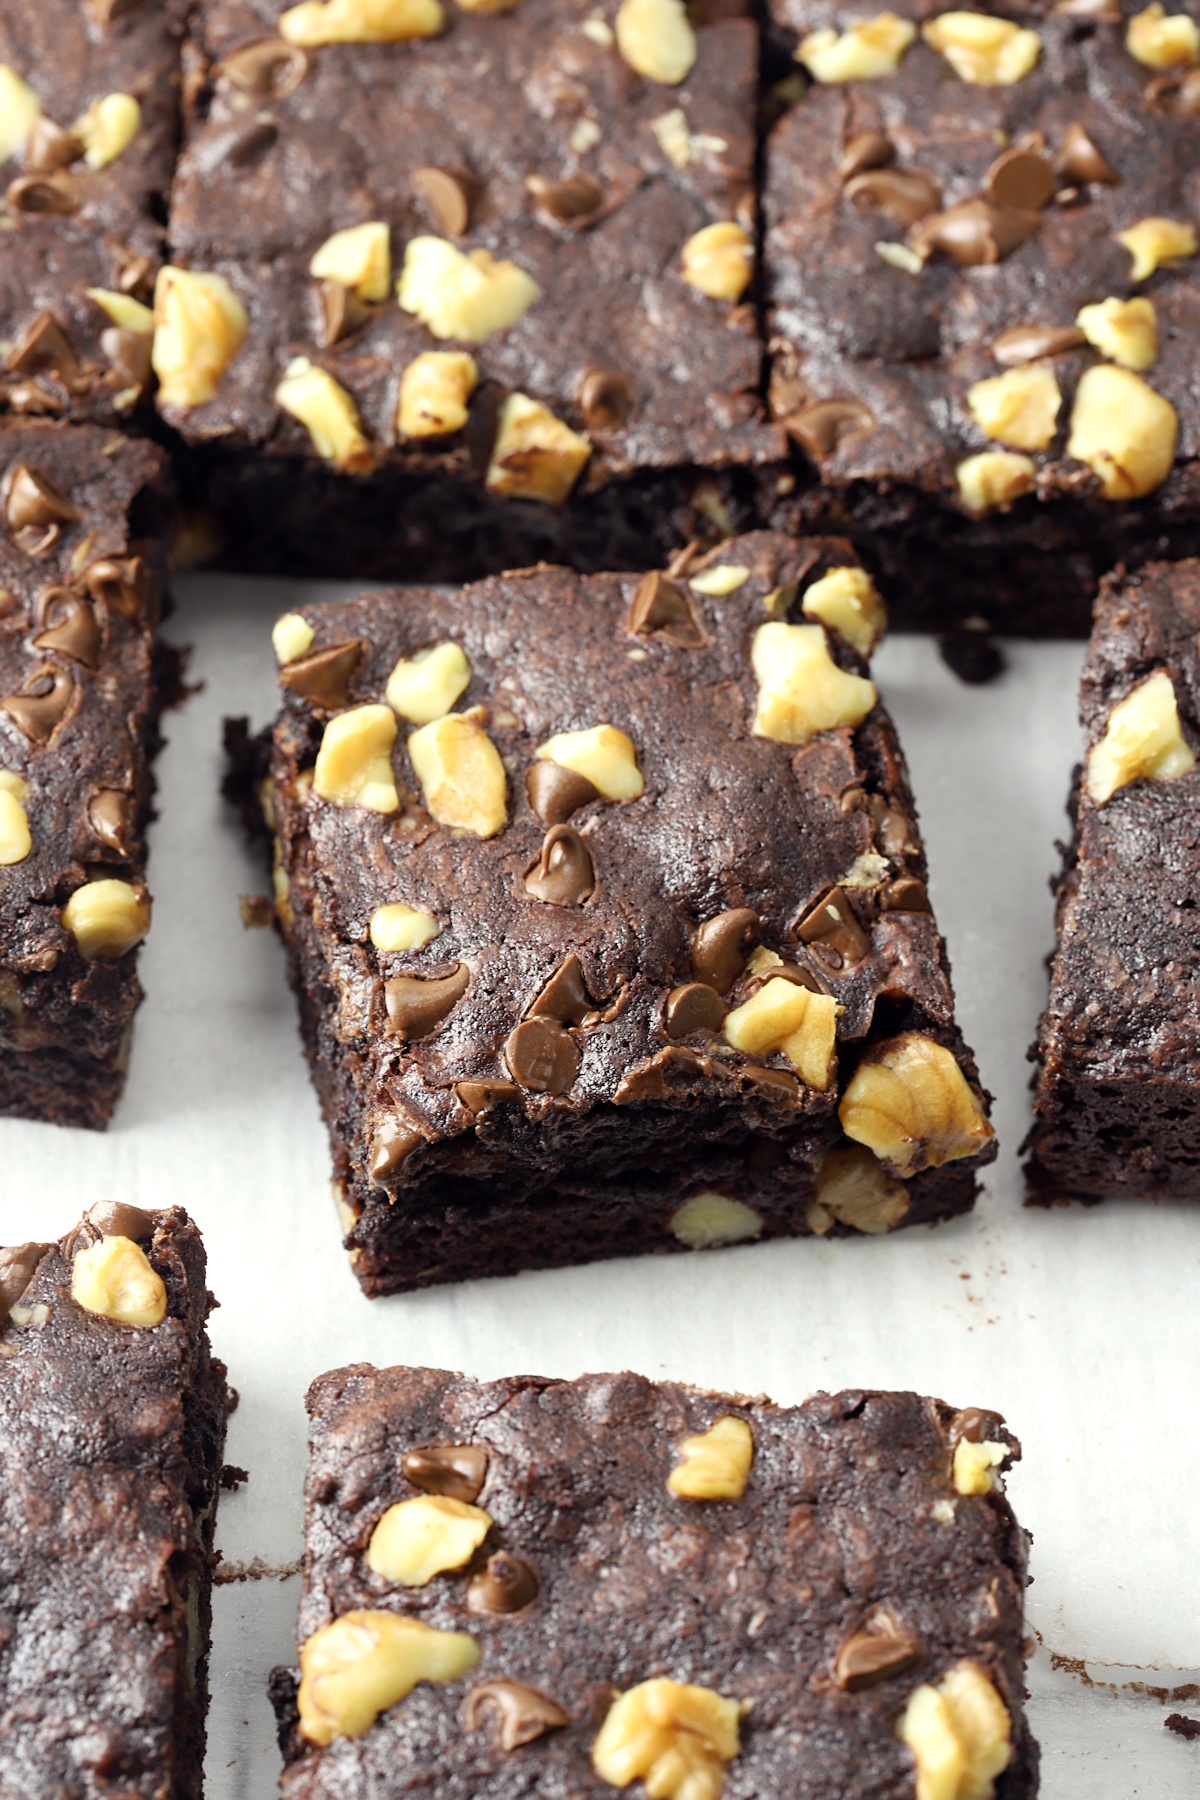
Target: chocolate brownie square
pixel 605 908
pixel 112 1425
pixel 485 288
pixel 82 574
pixel 984 295
pixel 1116 1108
pixel 569 1588
pixel 89 123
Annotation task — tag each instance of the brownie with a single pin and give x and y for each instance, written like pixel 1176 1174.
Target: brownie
pixel 538 996
pixel 82 571
pixel 626 1582
pixel 89 124
pixel 112 1424
pixel 519 134
pixel 1116 1108
pixel 927 233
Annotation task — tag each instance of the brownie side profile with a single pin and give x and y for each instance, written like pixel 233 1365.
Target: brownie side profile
pixel 1116 1108
pixel 82 578
pixel 928 232
pixel 89 128
pixel 541 1067
pixel 814 1567
pixel 112 1426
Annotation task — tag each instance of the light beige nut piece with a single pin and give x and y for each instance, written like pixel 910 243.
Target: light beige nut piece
pixel 464 295
pixel 1156 244
pixel 365 1662
pixel 720 581
pixel 1142 740
pixel 461 775
pixel 358 258
pixel 424 686
pixel 863 52
pixel 309 393
pixel 199 327
pixel 291 636
pixel 15 840
pixel 399 927
pixel 848 601
pixel 1123 430
pixel 602 755
pixel 994 478
pixel 801 690
pixel 981 49
pixel 709 1219
pixel 718 260
pixel 125 312
pixel 106 918
pixel 854 1188
pixel 354 763
pixel 656 39
pixel 113 1278
pixel 107 128
pixel 1163 40
pixel 434 391
pixel 489 6
pixel 1126 331
pixel 423 1537
pixel 786 1017
pixel 715 1464
pixel 960 1735
pixel 20 110
pixel 974 1465
pixel 317 22
pixel 674 1737
pixel 535 456
pixel 909 1103
pixel 1019 408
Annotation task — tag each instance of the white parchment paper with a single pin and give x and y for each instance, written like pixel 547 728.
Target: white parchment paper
pixel 1079 1325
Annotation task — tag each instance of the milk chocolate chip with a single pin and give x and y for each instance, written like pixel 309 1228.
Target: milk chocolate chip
pixel 824 426
pixel 1022 178
pixel 975 232
pixel 555 793
pixel 48 147
pixel 833 930
pixel 873 1656
pixel 1027 343
pixel 564 996
pixel 721 945
pixel 693 1007
pixel 605 399
pixel 480 1096
pixel 44 346
pixel 569 201
pixel 112 1218
pixel 120 582
pixel 53 196
pixel 542 1056
pixel 1081 160
pixel 342 313
pixel 562 873
pixel 323 676
pixel 522 1713
pixel 448 198
pixel 268 67
pixel 110 814
pixel 33 500
pixel 18 1266
pixel 903 194
pixel 394 1141
pixel 42 704
pixel 904 894
pixel 661 609
pixel 457 1471
pixel 866 150
pixel 505 1586
pixel 417 1004
pixel 69 625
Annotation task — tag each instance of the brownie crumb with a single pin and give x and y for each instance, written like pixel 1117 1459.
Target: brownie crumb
pixel 974 656
pixel 1182 1726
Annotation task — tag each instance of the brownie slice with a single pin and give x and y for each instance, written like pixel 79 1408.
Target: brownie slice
pixel 89 124
pixel 112 1425
pixel 955 221
pixel 82 575
pixel 610 1581
pixel 606 912
pixel 1116 1107
pixel 531 195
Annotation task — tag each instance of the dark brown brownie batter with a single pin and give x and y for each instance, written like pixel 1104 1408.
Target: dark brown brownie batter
pixel 67 227
pixel 1116 1102
pixel 546 1080
pixel 848 1574
pixel 82 570
pixel 873 362
pixel 111 1437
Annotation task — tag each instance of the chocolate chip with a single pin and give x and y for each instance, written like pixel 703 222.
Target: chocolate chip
pixel 873 1656
pixel 824 427
pixel 769 1084
pixel 663 1076
pixel 69 625
pixel 564 996
pixel 831 927
pixel 796 973
pixel 521 1712
pixel 569 201
pixel 866 150
pixel 555 793
pixel 720 947
pixel 456 1471
pixel 1081 160
pixel 893 827
pixel 1176 93
pixel 605 399
pixel 120 582
pixel 42 704
pixel 268 66
pixel 661 609
pixel 975 1424
pixel 56 195
pixel 903 194
pixel 506 1585
pixel 44 346
pixel 323 676
pixel 542 1057
pixel 112 1218
pixel 48 147
pixel 417 1004
pixel 342 313
pixel 904 894
pixel 136 275
pixel 107 12
pixel 447 196
pixel 1107 12
pixel 392 1145
pixel 480 1096
pixel 692 1007
pixel 34 500
pixel 18 1266
pixel 110 815
pixel 975 232
pixel 127 353
pixel 1022 178
pixel 561 874
pixel 27 397
pixel 1027 343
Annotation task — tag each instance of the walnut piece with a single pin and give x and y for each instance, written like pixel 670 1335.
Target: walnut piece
pixel 786 1017
pixel 423 1537
pixel 461 775
pixel 291 636
pixel 1123 430
pixel 425 686
pixel 106 918
pixel 317 22
pixel 848 601
pixel 1019 408
pixel 15 841
pixel 1142 740
pixel 399 927
pixel 462 295
pixel 1163 40
pixel 199 327
pixel 434 391
pixel 716 1463
pixel 863 52
pixel 310 393
pixel 534 456
pixel 960 1735
pixel 718 260
pixel 675 1737
pixel 365 1662
pixel 1126 331
pixel 994 478
pixel 358 258
pixel 974 1463
pixel 1157 243
pixel 602 755
pixel 855 1189
pixel 20 110
pixel 801 690
pixel 909 1102
pixel 981 49
pixel 126 313
pixel 114 1279
pixel 709 1219
pixel 354 763
pixel 720 580
pixel 107 128
pixel 656 39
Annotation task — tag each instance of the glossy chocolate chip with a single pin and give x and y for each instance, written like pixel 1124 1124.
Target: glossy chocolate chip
pixel 394 1141
pixel 823 427
pixel 55 196
pixel 18 1266
pixel 522 1713
pixel 568 201
pixel 136 275
pixel 831 927
pixel 542 1057
pixel 480 1096
pixel 456 1471
pixel 1080 159
pixel 1176 93
pixel 564 997
pixel 127 354
pixel 902 194
pixel 49 148
pixel 120 582
pixel 663 1076
pixel 975 1424
pixel 323 676
pixel 1027 343
pixel 720 947
pixel 866 150
pixel 1106 12
pixel 268 66
pixel 796 973
pixel 873 1656
pixel 506 1585
pixel 556 793
pixel 775 1085
pixel 905 894
pixel 605 399
pixel 110 814
pixel 107 12
pixel 447 196
pixel 44 346
pixel 33 500
pixel 69 625
pixel 562 873
pixel 42 704
pixel 975 232
pixel 662 609
pixel 894 832
pixel 342 313
pixel 692 1007
pixel 112 1218
pixel 418 1004
pixel 1022 178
